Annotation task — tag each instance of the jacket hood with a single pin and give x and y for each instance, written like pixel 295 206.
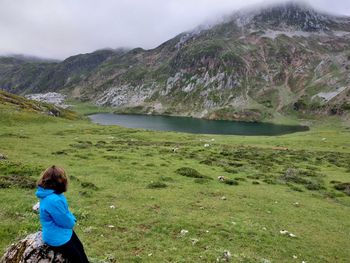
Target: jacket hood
pixel 42 192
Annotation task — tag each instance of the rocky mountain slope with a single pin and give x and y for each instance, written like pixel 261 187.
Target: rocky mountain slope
pixel 283 58
pixel 17 104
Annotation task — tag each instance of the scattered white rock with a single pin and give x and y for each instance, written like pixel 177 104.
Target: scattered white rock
pixel 327 96
pixel 50 97
pixel 2 157
pixel 234 223
pixel 223 198
pixel 194 241
pixel 283 232
pixel 183 232
pixel 174 149
pixel 226 255
pixel 128 94
pixel 206 145
pixel 110 226
pixel 221 178
pixel 323 139
pixel 150 254
pixel 264 228
pixel 297 204
pixel 295 257
pixel 36 207
pixel 292 235
pixel 112 206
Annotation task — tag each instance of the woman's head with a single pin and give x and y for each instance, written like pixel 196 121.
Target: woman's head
pixel 54 178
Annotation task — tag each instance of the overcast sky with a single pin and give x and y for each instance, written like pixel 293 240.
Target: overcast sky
pixel 61 28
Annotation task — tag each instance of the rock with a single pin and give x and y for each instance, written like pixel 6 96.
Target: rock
pixel 174 149
pixel 206 145
pixel 183 232
pixel 226 257
pixel 194 241
pixel 50 97
pixel 36 207
pixel 292 235
pixel 285 232
pixel 2 157
pixel 221 178
pixel 31 249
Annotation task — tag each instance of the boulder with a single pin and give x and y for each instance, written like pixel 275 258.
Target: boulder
pixel 31 249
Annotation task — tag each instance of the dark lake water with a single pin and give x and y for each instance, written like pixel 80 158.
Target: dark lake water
pixel 192 125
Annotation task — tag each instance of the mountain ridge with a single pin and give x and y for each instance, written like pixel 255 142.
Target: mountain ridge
pixel 282 58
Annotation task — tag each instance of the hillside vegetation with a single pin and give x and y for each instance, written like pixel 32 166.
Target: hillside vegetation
pixel 11 104
pixel 146 196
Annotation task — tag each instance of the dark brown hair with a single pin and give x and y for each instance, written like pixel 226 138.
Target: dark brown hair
pixel 54 178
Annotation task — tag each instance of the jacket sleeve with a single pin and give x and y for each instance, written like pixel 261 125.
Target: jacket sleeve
pixel 61 215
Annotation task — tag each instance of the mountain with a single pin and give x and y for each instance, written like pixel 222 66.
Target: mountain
pixel 286 58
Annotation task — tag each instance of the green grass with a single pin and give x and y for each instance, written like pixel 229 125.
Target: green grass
pixel 86 108
pixel 137 172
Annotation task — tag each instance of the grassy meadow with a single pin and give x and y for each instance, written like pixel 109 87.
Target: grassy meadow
pixel 147 196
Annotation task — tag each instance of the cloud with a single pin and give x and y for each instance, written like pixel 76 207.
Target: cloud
pixel 61 28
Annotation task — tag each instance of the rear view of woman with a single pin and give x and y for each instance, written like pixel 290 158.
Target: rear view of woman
pixel 56 220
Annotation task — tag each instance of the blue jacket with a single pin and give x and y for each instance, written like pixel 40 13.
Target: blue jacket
pixel 56 220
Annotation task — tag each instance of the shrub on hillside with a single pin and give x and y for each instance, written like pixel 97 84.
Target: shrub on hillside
pixel 230 182
pixel 190 172
pixel 157 185
pixel 344 187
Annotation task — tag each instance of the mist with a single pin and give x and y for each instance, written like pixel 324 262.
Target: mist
pixel 62 28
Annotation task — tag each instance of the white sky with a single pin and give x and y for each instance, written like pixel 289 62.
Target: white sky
pixel 61 28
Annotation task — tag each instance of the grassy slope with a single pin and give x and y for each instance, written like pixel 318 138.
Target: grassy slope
pixel 121 163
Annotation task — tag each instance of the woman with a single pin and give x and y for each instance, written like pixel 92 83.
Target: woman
pixel 56 220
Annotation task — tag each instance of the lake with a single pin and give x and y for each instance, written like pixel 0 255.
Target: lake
pixel 192 125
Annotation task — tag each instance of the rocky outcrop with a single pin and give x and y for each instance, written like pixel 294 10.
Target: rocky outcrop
pixel 31 249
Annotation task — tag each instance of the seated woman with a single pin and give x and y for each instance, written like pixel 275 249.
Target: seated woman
pixel 56 220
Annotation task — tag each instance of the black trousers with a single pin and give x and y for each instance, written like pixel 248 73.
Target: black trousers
pixel 73 250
